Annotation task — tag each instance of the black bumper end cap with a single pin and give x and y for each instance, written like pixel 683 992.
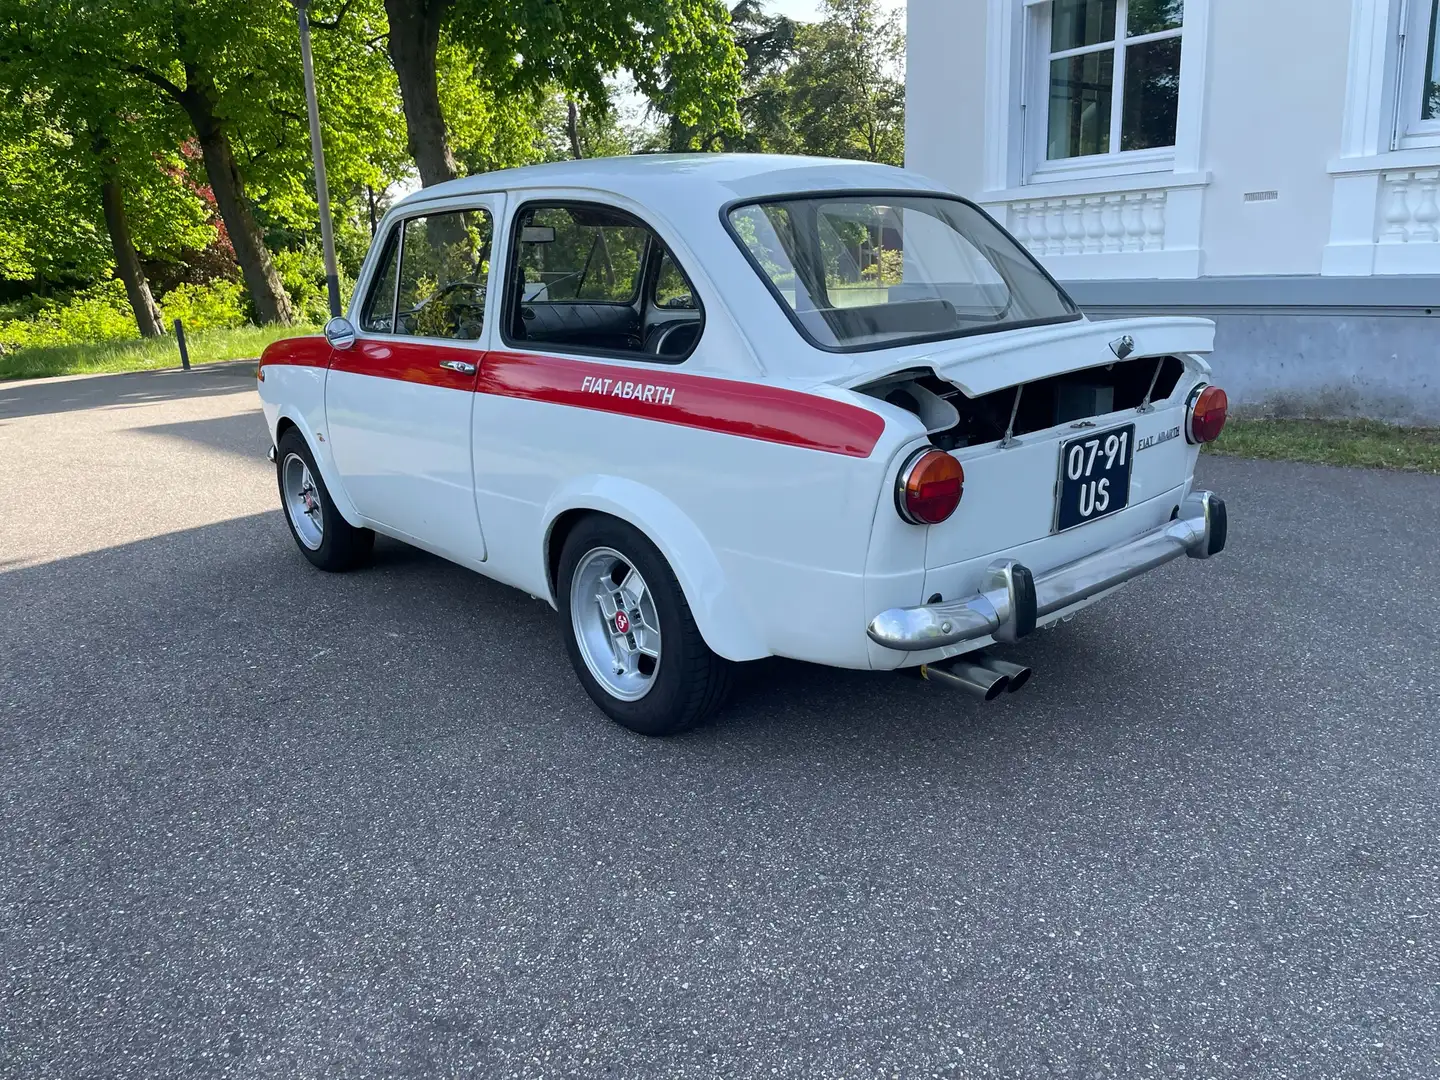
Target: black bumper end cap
pixel 1026 604
pixel 1219 526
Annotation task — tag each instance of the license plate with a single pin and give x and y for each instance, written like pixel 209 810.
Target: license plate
pixel 1094 476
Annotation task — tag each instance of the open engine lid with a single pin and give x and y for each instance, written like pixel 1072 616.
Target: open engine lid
pixel 985 363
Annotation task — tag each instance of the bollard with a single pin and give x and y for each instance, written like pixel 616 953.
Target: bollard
pixel 180 340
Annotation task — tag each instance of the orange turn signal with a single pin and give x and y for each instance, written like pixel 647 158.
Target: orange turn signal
pixel 930 486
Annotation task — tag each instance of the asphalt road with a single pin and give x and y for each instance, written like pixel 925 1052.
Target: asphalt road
pixel 256 821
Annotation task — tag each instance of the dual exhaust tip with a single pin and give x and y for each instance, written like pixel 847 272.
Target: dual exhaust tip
pixel 980 676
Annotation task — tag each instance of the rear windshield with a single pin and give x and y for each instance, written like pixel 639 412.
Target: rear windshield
pixel 861 271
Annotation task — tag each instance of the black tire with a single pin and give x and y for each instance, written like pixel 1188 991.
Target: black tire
pixel 342 546
pixel 690 682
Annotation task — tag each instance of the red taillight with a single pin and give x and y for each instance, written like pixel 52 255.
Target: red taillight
pixel 930 487
pixel 1208 410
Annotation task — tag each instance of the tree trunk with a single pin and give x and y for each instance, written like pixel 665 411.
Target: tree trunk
pixel 572 125
pixel 414 39
pixel 127 260
pixel 272 305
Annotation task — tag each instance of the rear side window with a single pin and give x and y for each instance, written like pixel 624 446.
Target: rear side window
pixel 590 278
pixel 671 289
pixel 581 254
pixel 433 278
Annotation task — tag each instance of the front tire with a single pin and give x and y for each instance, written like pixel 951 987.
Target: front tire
pixel 322 535
pixel 631 636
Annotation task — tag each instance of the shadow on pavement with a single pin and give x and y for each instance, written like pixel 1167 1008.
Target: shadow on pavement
pixel 243 433
pixel 42 396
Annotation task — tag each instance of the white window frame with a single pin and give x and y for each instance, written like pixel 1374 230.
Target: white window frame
pixel 1037 98
pixel 1411 131
pixel 1379 219
pixel 1014 70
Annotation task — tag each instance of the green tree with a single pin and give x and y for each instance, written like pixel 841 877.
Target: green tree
pixel 682 49
pixel 847 83
pixel 230 69
pixel 767 45
pixel 79 168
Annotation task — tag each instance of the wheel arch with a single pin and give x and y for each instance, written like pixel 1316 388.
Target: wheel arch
pixel 285 421
pixel 728 630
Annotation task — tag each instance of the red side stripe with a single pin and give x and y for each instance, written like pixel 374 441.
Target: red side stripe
pixel 730 407
pixel 302 351
pixel 749 410
pixel 407 361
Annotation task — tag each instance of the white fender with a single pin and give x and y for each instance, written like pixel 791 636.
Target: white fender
pixel 301 400
pixel 727 629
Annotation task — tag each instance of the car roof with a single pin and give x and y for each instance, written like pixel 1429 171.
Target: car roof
pixel 717 178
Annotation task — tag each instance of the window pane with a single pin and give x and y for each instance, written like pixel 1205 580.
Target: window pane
pixel 1080 95
pixel 574 283
pixel 1153 16
pixel 1152 95
pixel 581 254
pixel 444 270
pixel 882 270
pixel 671 288
pixel 1430 105
pixel 380 305
pixel 769 234
pixel 1076 23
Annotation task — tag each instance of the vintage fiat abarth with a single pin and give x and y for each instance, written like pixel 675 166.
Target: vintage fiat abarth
pixel 718 408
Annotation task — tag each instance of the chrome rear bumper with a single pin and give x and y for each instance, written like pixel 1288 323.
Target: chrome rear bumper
pixel 1012 600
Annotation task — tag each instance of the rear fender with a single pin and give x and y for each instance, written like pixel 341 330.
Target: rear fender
pixel 726 627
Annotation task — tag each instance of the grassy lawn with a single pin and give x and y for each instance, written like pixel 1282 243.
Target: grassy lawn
pixel 141 354
pixel 1358 443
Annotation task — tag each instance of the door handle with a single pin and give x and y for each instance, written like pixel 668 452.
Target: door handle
pixel 458 365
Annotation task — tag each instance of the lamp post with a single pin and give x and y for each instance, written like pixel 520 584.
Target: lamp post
pixel 317 149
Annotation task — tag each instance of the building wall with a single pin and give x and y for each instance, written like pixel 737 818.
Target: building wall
pixel 945 92
pixel 1324 295
pixel 1273 106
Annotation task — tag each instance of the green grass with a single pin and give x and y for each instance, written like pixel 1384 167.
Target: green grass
pixel 143 354
pixel 1365 444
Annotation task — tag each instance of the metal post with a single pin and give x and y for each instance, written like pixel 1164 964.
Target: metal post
pixel 180 340
pixel 317 149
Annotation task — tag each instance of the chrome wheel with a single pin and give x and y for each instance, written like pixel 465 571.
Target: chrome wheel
pixel 302 501
pixel 615 623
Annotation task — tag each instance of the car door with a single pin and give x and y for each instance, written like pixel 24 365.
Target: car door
pixel 399 400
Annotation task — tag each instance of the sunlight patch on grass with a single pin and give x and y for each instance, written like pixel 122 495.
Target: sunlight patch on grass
pixel 145 354
pixel 1365 444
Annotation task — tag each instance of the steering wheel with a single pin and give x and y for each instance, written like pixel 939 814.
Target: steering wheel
pixel 453 308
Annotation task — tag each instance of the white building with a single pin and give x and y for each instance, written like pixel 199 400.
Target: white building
pixel 1273 164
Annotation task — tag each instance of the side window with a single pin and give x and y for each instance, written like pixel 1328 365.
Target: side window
pixel 671 289
pixel 581 253
pixel 377 317
pixel 444 271
pixel 574 281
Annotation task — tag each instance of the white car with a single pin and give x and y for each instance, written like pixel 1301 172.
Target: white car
pixel 718 408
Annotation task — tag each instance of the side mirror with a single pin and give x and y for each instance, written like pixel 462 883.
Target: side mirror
pixel 340 332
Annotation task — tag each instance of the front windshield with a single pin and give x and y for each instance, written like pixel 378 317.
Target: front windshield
pixel 859 270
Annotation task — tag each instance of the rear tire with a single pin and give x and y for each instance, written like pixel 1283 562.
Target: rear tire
pixel 322 535
pixel 631 636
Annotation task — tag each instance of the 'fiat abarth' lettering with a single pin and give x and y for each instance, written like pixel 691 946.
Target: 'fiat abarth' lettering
pixel 630 391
